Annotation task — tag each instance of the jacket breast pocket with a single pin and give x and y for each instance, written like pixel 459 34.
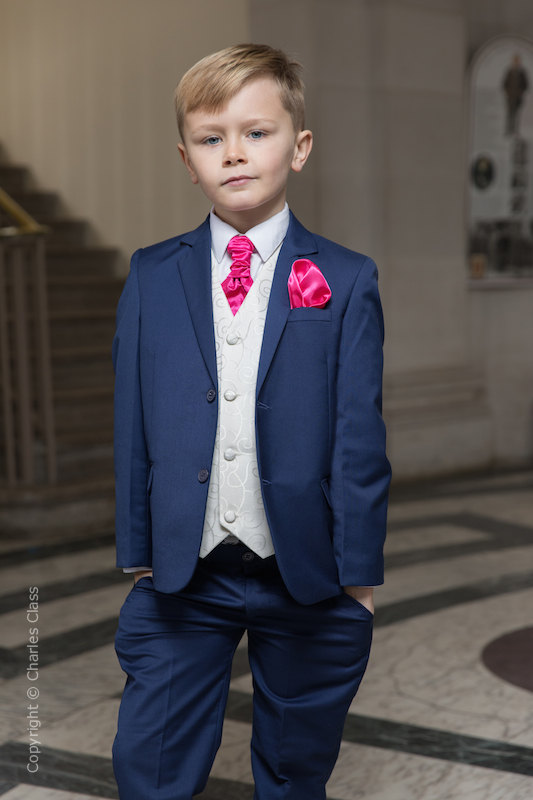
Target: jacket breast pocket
pixel 309 315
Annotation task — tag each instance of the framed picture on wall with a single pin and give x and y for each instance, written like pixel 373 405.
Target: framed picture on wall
pixel 500 167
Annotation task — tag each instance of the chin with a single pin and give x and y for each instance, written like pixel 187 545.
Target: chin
pixel 241 209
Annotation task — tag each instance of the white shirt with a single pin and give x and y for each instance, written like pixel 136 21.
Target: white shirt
pixel 266 237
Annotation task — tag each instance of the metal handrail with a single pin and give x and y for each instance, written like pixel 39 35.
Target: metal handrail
pixel 26 223
pixel 22 257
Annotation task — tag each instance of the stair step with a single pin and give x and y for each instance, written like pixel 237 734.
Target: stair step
pixel 91 352
pixel 80 334
pixel 70 455
pixel 89 281
pixel 64 261
pixel 72 393
pixel 67 395
pixel 87 314
pixel 82 373
pixel 74 418
pixel 81 291
pixel 65 231
pixel 92 424
pixel 84 332
pixel 97 481
pixel 14 178
pixel 76 464
pixel 66 491
pixel 39 204
pixel 86 437
pixel 72 437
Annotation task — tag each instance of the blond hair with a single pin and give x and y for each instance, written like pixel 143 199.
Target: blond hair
pixel 215 79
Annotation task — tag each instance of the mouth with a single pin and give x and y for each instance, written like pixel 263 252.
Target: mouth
pixel 237 180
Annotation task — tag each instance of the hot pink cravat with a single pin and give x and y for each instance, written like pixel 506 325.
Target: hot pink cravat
pixel 239 281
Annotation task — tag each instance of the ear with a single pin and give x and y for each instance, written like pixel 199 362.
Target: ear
pixel 187 161
pixel 302 147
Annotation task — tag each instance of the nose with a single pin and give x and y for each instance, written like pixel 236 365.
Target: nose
pixel 233 154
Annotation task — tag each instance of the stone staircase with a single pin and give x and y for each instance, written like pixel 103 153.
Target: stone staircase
pixel 83 290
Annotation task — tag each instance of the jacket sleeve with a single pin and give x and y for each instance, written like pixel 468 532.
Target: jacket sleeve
pixel 360 473
pixel 132 468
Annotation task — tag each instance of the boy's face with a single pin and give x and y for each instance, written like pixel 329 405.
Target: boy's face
pixel 242 154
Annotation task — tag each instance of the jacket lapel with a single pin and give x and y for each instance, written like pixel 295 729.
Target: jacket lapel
pixel 298 242
pixel 194 265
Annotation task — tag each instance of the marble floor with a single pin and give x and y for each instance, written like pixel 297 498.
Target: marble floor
pixel 445 711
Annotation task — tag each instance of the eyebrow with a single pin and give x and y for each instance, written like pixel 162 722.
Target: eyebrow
pixel 247 123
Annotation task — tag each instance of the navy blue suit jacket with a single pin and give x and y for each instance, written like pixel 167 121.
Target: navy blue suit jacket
pixel 319 432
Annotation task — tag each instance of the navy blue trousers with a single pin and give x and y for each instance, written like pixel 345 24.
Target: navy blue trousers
pixel 176 650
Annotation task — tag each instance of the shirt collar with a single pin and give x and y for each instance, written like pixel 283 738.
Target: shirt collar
pixel 266 236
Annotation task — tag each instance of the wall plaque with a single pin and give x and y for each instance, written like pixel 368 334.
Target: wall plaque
pixel 500 175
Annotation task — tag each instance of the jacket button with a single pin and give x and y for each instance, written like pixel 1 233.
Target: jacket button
pixel 211 394
pixel 203 475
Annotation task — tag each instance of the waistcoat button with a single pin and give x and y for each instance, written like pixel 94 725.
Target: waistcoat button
pixel 229 454
pixel 230 395
pixel 230 516
pixel 232 338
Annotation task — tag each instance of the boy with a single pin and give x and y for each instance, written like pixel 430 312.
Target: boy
pixel 251 473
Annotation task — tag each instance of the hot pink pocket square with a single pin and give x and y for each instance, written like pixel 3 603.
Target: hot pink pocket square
pixel 307 285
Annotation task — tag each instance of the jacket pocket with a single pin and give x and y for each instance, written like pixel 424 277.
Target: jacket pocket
pixel 325 488
pixel 308 314
pixel 150 480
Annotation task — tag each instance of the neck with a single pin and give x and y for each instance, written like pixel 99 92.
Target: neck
pixel 243 221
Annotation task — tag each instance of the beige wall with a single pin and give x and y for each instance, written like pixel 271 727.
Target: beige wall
pixel 86 101
pixel 385 90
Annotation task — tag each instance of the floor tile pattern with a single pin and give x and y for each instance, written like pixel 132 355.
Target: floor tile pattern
pixel 436 718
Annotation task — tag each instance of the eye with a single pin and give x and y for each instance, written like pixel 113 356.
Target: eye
pixel 212 140
pixel 256 134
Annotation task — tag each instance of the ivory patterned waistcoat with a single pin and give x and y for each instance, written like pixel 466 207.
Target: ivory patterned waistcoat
pixel 234 500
